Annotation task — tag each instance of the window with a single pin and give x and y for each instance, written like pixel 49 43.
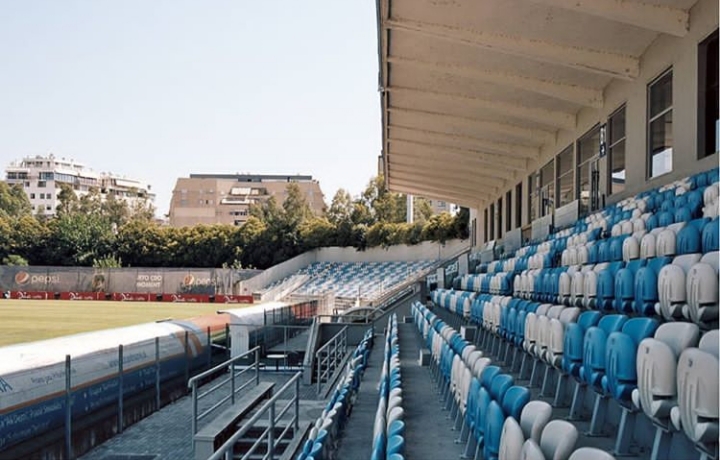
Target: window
pixel 48 196
pixel 492 221
pixel 518 205
pixel 708 139
pixel 485 226
pixel 533 196
pixel 565 178
pixel 660 123
pixel 616 151
pixel 42 184
pixel 32 196
pixel 499 218
pixel 588 150
pixel 42 196
pixel 508 211
pixel 547 188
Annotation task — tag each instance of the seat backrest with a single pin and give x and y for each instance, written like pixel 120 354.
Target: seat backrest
pixel 531 451
pixel 515 399
pixel 710 342
pixel 657 367
pixel 500 384
pixel 558 440
pixel 590 453
pixel 511 440
pixel 697 384
pixel 533 418
pixel 688 240
pixel 640 328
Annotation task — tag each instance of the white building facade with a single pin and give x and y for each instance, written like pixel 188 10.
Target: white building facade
pixel 42 176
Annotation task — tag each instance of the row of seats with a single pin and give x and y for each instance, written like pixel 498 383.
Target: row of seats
pixel 389 427
pixel 681 288
pixel 324 435
pixel 486 405
pixel 632 361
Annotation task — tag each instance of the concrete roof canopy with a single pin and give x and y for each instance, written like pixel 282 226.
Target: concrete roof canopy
pixel 471 90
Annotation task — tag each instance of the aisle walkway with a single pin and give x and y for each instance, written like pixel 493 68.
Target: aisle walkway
pixel 356 441
pixel 428 431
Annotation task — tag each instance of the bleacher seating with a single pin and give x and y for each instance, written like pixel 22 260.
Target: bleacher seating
pixel 388 431
pixel 323 437
pixel 624 303
pixel 366 280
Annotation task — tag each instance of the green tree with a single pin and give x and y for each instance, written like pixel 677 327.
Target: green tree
pixel 69 203
pixel 13 200
pixel 341 208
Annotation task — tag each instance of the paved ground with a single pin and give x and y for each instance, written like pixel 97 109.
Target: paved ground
pixel 166 434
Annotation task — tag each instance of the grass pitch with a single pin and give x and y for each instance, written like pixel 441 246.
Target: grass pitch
pixel 30 320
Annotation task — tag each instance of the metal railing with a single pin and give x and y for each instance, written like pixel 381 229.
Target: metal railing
pixel 329 356
pixel 229 365
pixel 268 435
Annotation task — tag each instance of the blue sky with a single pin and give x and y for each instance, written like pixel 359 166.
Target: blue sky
pixel 157 89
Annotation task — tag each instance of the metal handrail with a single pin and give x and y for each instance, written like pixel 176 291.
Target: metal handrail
pixel 226 450
pixel 334 351
pixel 229 364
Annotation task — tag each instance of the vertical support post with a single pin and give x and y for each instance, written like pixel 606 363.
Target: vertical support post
pixel 157 373
pixel 271 432
pixel 120 388
pixel 231 366
pixel 194 419
pixel 285 351
pixel 227 340
pixel 209 348
pixel 257 367
pixel 68 408
pixel 187 357
pixel 318 360
pixel 296 428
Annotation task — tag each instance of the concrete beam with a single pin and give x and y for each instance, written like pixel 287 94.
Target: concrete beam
pixel 533 135
pixel 589 60
pixel 425 168
pixel 409 152
pixel 659 18
pixel 440 184
pixel 491 184
pixel 503 148
pixel 489 161
pixel 587 97
pixel 462 199
pixel 545 117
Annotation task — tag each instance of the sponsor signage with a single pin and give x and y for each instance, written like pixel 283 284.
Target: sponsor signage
pixel 133 296
pixel 31 295
pixel 222 298
pixel 82 295
pixel 190 298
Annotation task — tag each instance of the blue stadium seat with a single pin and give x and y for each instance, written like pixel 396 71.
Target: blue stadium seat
pixel 593 365
pixel 620 370
pixel 711 236
pixel 646 285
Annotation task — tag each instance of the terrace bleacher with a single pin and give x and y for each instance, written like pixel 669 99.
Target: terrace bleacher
pixel 365 281
pixel 623 306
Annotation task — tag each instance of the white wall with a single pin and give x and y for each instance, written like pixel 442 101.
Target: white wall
pixel 424 251
pixel 666 51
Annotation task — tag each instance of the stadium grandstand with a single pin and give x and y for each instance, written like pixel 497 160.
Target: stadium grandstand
pixel 580 322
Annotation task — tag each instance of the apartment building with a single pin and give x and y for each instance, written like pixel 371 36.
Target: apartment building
pixel 42 176
pixel 226 198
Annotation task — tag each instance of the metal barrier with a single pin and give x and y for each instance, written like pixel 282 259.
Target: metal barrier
pixel 226 450
pixel 230 365
pixel 329 356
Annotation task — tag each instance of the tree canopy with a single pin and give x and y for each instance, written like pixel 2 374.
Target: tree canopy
pixel 91 231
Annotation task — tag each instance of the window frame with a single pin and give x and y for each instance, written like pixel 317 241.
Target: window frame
pixel 650 119
pixel 613 143
pixel 703 97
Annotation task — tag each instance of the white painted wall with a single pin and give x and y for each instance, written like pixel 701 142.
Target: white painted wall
pixel 424 251
pixel 666 51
